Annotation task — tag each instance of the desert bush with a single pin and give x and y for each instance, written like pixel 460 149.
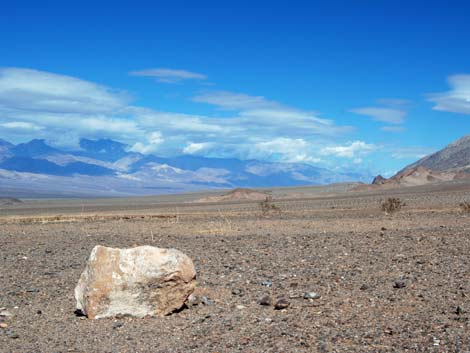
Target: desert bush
pixel 465 207
pixel 392 205
pixel 268 207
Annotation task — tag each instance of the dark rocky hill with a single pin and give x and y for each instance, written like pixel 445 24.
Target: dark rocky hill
pixel 453 158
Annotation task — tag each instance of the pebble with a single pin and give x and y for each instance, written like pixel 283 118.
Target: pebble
pixel 3 325
pixel 399 284
pixel 241 307
pixel 206 301
pixel 312 295
pixel 267 283
pixel 237 291
pixel 193 300
pixel 364 287
pixel 117 325
pixel 281 303
pixel 13 335
pixel 265 300
pixel 5 313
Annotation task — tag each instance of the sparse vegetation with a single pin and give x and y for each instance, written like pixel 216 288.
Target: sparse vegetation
pixel 392 205
pixel 268 207
pixel 465 207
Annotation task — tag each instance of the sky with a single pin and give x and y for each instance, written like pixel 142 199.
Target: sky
pixel 348 85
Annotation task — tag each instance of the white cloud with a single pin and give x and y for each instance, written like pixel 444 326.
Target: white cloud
pixel 67 108
pixel 349 151
pixel 154 140
pixel 394 102
pixel 193 148
pixel 410 152
pixel 32 91
pixel 233 101
pixel 21 125
pixel 169 75
pixel 386 115
pixel 457 100
pixel 393 128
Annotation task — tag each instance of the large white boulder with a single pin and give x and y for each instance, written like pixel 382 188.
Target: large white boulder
pixel 140 281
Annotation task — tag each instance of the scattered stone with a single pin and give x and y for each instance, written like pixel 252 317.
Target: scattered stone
pixel 141 281
pixel 193 300
pixel 206 301
pixel 5 313
pixel 459 310
pixel 241 307
pixel 281 303
pixel 312 295
pixel 265 300
pixel 117 325
pixel 267 283
pixel 238 292
pixel 39 312
pixel 383 229
pixel 32 290
pixel 364 287
pixel 3 325
pixel 399 284
pixel 13 335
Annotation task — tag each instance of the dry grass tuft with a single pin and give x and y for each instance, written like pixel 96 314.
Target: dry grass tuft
pixel 392 205
pixel 465 207
pixel 268 207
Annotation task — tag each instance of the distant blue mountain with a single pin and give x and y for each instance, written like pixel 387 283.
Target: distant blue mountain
pixel 108 162
pixel 33 148
pixel 102 149
pixel 43 166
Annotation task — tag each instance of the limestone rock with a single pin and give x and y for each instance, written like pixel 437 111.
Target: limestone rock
pixel 140 281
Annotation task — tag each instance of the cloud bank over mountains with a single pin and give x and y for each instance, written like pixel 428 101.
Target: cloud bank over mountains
pixel 62 109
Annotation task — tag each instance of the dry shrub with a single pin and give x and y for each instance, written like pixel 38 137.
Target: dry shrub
pixel 392 205
pixel 465 207
pixel 268 207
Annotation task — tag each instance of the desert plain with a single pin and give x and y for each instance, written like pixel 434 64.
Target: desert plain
pixel 395 282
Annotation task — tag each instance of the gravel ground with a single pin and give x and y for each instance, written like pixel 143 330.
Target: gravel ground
pixel 386 283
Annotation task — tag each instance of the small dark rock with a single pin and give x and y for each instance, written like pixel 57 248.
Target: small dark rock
pixel 265 300
pixel 364 287
pixel 117 325
pixel 39 312
pixel 238 292
pixel 79 313
pixel 459 310
pixel 267 283
pixel 281 303
pixel 399 284
pixel 32 290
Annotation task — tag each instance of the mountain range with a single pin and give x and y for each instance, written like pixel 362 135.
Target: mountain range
pixel 449 164
pixel 108 168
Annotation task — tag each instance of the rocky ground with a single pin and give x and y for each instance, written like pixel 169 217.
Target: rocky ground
pixel 352 278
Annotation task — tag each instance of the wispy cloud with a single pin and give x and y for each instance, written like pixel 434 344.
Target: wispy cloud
pixel 193 147
pixel 353 150
pixel 393 128
pixel 63 108
pixel 410 152
pixel 457 100
pixel 385 115
pixel 169 75
pixel 21 125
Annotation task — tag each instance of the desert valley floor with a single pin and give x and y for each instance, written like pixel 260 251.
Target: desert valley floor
pixel 388 283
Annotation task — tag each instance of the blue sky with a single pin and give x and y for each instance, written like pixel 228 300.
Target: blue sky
pixel 348 85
